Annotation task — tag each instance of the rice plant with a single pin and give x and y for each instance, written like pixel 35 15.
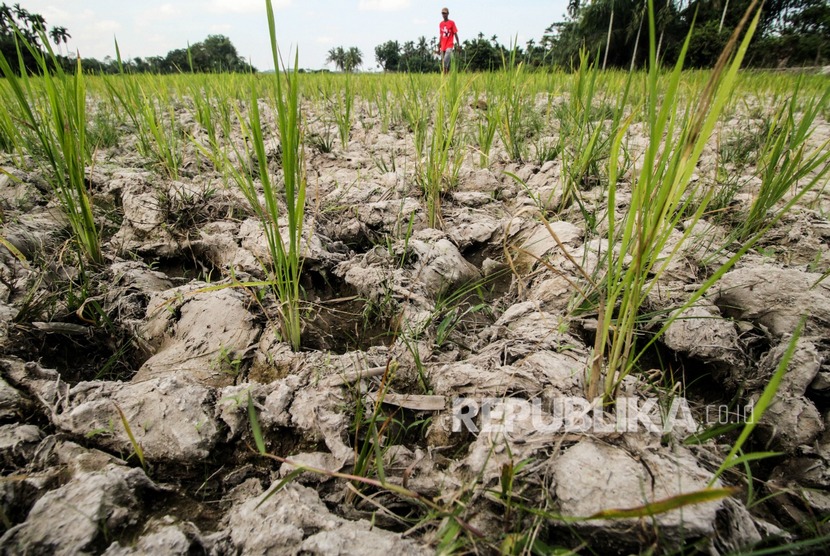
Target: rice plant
pixel 285 249
pixel 415 111
pixel 439 171
pixel 659 196
pixel 341 109
pixel 57 122
pixel 585 140
pixel 513 107
pixel 788 164
pixel 487 122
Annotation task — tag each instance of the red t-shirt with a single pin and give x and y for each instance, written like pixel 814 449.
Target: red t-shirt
pixel 447 31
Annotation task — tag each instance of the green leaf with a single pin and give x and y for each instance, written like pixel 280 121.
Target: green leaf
pixel 256 431
pixel 667 504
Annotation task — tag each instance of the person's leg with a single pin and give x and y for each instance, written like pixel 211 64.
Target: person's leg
pixel 447 59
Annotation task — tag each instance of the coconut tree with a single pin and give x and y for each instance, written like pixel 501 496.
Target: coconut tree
pixel 354 58
pixel 337 56
pixel 345 60
pixel 59 35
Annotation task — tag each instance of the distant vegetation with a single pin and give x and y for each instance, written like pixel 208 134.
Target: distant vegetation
pixel 790 33
pixel 215 54
pixel 345 59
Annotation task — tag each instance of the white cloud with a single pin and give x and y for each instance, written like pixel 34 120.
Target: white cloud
pixel 383 5
pixel 324 40
pixel 105 26
pixel 164 12
pixel 244 6
pixel 168 10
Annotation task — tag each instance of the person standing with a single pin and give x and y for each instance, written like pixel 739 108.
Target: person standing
pixel 447 35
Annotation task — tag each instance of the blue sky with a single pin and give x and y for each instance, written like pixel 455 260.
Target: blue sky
pixel 153 27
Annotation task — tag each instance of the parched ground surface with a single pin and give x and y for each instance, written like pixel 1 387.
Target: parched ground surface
pixel 171 353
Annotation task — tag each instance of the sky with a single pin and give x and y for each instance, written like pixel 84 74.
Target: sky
pixel 147 28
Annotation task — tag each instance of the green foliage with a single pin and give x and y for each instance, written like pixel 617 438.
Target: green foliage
pixel 388 55
pixel 345 59
pixel 17 23
pixel 659 199
pixel 438 173
pixel 792 32
pixel 787 159
pixel 419 57
pixel 481 54
pixel 55 124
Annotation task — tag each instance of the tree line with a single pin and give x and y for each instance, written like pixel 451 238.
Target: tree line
pixel 615 34
pixel 215 54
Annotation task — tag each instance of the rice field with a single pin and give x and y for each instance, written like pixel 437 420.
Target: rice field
pixel 265 295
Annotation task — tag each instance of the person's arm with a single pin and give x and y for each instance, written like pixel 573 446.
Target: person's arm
pixel 455 33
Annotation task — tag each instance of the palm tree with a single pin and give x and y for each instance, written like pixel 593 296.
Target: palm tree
pixel 59 35
pixel 354 58
pixel 338 57
pixel 345 60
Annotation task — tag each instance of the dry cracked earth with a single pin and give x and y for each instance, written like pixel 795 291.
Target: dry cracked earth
pixel 170 352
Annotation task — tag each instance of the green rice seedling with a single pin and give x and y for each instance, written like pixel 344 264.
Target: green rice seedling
pixel 285 249
pixel 126 92
pixel 57 120
pixel 513 107
pixel 102 132
pixel 162 135
pixel 385 165
pixel 452 316
pixel 487 122
pixel 322 142
pixel 341 109
pixel 373 425
pixel 741 146
pixel 200 93
pixel 439 171
pixel 10 139
pixel 381 99
pixel 659 196
pixel 545 150
pixel 283 228
pixel 787 162
pixel 139 452
pixel 416 112
pixel 584 138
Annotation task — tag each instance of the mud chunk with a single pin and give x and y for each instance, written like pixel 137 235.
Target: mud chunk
pixel 470 227
pixel 775 298
pixel 439 265
pixel 170 417
pixel 802 368
pixel 540 242
pixel 295 521
pixel 11 401
pixel 791 421
pixel 72 518
pixel 163 536
pixel 701 332
pixel 592 476
pixel 204 334
pixel 18 443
